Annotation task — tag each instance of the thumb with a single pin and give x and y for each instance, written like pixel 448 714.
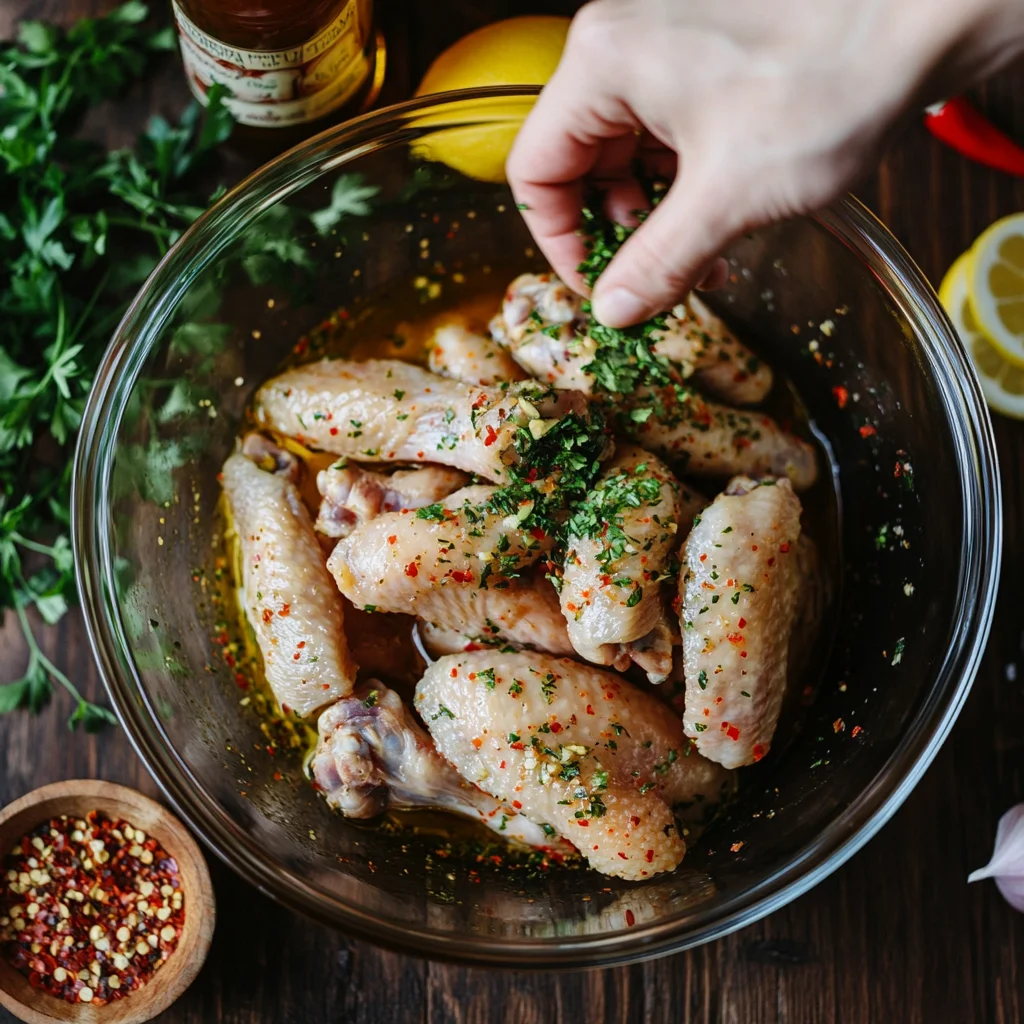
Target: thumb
pixel 671 252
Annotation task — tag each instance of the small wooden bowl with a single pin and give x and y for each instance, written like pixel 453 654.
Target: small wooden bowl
pixel 77 798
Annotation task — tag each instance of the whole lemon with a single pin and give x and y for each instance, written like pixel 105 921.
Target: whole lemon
pixel 518 51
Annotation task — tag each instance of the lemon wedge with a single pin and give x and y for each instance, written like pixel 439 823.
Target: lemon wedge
pixel 517 51
pixel 1002 381
pixel 995 286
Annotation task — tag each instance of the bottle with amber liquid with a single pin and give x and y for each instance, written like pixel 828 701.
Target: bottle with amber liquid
pixel 293 66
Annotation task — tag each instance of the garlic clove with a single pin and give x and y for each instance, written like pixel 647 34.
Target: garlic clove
pixel 1007 863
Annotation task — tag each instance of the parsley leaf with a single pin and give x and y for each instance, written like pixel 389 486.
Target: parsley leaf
pixel 80 228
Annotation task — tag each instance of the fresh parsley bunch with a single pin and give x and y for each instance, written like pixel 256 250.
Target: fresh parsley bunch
pixel 80 229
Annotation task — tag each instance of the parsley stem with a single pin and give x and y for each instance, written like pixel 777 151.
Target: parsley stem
pixel 159 232
pixel 36 657
pixel 31 545
pixel 87 309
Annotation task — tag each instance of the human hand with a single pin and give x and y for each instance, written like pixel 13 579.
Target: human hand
pixel 755 111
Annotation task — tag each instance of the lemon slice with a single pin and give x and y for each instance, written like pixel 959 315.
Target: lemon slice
pixel 995 284
pixel 1002 382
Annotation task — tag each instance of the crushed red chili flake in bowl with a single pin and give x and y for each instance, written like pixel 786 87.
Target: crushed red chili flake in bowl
pixel 90 908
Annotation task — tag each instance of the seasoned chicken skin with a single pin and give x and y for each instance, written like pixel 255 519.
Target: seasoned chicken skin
pixel 739 589
pixel 578 750
pixel 543 326
pixel 384 410
pixel 454 565
pixel 696 340
pixel 708 439
pixel 396 558
pixel 456 351
pixel 352 496
pixel 373 754
pixel 290 600
pixel 523 615
pixel 620 542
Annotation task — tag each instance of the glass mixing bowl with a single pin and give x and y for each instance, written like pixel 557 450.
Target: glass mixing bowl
pixel 832 301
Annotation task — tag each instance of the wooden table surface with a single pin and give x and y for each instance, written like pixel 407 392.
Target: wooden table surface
pixel 896 935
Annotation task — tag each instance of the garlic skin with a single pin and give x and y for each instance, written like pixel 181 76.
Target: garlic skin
pixel 1007 863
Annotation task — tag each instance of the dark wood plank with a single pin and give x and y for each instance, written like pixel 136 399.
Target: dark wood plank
pixel 895 935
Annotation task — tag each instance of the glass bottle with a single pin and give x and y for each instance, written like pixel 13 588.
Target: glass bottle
pixel 293 66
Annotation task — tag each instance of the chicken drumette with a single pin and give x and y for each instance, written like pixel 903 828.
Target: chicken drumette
pixel 577 750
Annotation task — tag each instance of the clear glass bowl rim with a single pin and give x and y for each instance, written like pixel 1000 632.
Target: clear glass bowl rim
pixel 851 224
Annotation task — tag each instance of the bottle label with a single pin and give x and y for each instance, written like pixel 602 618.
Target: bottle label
pixel 276 88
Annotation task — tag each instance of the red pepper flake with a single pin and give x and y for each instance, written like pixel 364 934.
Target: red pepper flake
pixel 411 570
pixel 590 709
pixel 838 725
pixel 784 547
pixel 455 673
pixel 842 396
pixel 741 623
pixel 856 731
pixel 630 918
pixel 736 847
pixel 461 576
pixel 583 823
pixel 634 820
pixel 517 805
pixel 650 856
pixel 477 742
pixel 392 538
pixel 758 752
pixel 285 611
pixel 267 616
pixel 731 731
pixel 555 727
pixel 735 638
pixel 333 431
pixel 537 533
pixel 704 557
pixel 490 437
pixel 867 430
pixel 108 888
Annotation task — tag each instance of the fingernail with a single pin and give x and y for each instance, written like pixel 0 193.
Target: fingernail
pixel 619 308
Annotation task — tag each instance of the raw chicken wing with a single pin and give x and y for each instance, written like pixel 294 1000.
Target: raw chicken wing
pixel 708 439
pixel 620 542
pixel 353 496
pixel 454 565
pixel 525 614
pixel 290 600
pixel 457 352
pixel 578 750
pixel 385 410
pixel 739 589
pixel 373 754
pixel 543 326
